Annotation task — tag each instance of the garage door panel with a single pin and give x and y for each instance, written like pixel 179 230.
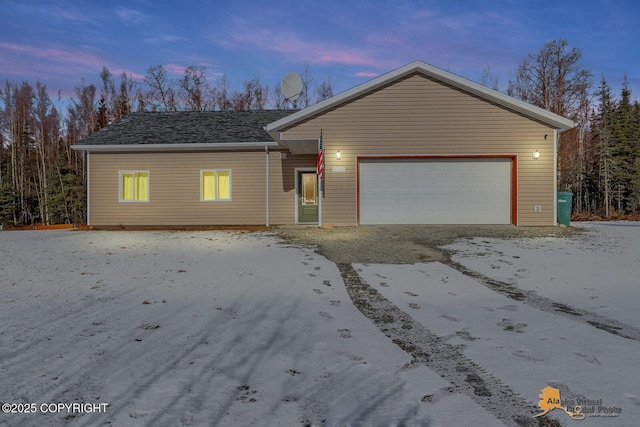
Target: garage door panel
pixel 427 191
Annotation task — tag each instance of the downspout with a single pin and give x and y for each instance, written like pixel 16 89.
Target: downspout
pixel 321 187
pixel 266 151
pixel 88 187
pixel 555 177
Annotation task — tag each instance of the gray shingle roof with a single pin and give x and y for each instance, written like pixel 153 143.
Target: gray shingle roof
pixel 188 127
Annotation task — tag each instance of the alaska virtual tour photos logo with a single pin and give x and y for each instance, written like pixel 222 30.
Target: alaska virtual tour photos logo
pixel 577 408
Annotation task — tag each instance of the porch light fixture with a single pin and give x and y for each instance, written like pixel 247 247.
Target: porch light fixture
pixel 338 155
pixel 536 155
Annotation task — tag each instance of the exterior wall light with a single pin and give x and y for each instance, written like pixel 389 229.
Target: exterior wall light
pixel 338 155
pixel 536 155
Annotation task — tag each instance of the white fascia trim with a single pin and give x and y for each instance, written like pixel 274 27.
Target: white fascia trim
pixel 227 146
pixel 545 116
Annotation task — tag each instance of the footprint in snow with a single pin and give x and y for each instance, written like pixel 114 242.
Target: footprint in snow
pixel 325 315
pixel 589 358
pixel 411 294
pixel 335 303
pixel 524 355
pixel 318 291
pixel 465 336
pixel 317 268
pixel 384 284
pixel 344 333
pixel 246 395
pixel 508 325
pixel 451 318
pixel 326 282
pixel 634 399
pixel 508 307
pixel 414 306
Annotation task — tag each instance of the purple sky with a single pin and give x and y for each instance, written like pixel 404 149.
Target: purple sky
pixel 62 42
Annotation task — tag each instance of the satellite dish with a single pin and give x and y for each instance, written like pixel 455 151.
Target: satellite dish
pixel 291 86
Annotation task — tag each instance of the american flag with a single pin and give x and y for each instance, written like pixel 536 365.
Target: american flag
pixel 320 166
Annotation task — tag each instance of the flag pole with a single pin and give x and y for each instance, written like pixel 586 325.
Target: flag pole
pixel 320 174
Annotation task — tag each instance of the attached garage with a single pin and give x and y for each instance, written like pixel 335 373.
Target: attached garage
pixel 435 190
pixel 419 145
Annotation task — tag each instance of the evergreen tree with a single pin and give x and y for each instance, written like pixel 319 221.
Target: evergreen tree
pixel 605 146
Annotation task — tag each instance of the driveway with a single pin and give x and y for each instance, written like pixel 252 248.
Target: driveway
pixel 486 314
pixel 402 244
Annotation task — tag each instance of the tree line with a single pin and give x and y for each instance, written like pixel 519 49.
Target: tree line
pixel 43 181
pixel 598 160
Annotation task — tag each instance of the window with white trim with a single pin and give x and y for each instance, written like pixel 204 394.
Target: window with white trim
pixel 133 186
pixel 215 185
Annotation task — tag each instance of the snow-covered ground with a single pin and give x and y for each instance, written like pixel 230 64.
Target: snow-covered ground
pixel 598 271
pixel 197 328
pixel 227 328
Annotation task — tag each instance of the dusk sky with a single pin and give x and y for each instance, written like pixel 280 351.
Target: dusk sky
pixel 62 42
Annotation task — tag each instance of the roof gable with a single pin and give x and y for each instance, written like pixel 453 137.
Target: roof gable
pixel 418 67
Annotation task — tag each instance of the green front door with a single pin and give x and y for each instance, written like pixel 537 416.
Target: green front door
pixel 307 197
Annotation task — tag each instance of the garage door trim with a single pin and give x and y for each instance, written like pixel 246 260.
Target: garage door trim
pixel 514 173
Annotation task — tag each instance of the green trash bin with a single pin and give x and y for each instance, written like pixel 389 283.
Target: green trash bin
pixel 565 198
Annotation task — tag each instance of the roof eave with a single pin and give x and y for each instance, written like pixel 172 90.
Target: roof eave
pixel 227 146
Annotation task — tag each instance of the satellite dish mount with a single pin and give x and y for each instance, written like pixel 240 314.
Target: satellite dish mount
pixel 291 87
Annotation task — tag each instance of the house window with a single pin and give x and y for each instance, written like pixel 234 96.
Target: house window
pixel 134 186
pixel 215 185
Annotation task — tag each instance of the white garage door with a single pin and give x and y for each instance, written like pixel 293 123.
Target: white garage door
pixel 430 191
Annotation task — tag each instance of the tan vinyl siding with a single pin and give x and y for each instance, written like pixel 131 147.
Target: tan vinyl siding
pixel 282 198
pixel 418 116
pixel 174 189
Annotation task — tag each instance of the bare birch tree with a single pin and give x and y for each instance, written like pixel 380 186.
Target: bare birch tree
pixel 554 79
pixel 161 95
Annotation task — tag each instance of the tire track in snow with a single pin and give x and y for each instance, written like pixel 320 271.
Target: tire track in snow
pixel 448 361
pixel 532 299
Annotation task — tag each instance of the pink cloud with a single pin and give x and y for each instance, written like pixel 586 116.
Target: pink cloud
pixel 289 44
pixel 55 54
pixel 368 74
pixel 175 69
pixel 128 73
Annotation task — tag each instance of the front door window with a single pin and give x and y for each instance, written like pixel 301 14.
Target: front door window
pixel 309 189
pixel 308 202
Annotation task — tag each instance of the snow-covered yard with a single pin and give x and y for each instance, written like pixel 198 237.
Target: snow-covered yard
pixel 231 328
